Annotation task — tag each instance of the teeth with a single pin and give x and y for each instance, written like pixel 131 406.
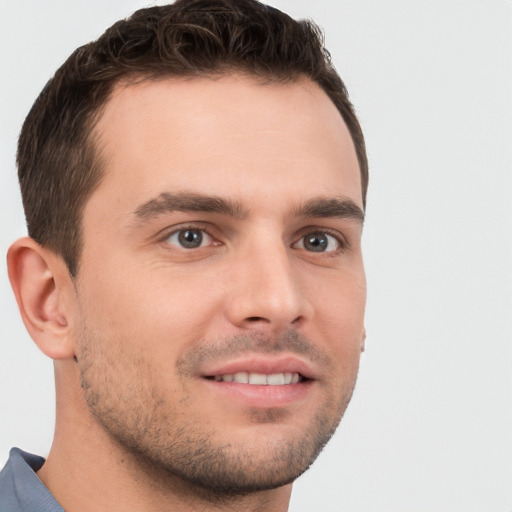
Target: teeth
pixel 276 379
pixel 242 377
pixel 260 379
pixel 257 378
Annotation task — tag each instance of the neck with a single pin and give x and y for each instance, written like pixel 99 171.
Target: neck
pixel 87 470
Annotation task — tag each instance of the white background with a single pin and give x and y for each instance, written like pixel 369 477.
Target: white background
pixel 430 425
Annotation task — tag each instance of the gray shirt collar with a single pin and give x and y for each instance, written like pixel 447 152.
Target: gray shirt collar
pixel 20 488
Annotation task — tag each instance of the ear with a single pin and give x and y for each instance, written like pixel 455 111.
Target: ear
pixel 363 340
pixel 42 286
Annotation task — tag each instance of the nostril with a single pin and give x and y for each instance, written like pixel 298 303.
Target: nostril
pixel 256 319
pixel 297 320
pixel 261 319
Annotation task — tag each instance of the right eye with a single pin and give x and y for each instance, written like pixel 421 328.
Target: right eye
pixel 190 238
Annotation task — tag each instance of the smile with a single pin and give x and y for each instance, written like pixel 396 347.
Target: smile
pixel 260 379
pixel 263 382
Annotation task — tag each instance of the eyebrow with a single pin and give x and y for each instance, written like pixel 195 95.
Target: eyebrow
pixel 187 202
pixel 331 208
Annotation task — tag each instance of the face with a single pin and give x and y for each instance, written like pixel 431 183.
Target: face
pixel 221 289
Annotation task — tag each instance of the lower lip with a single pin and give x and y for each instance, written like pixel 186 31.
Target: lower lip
pixel 263 396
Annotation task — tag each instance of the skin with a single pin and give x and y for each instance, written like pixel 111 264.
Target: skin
pixel 148 320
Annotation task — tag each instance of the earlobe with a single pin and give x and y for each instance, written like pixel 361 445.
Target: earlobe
pixel 38 279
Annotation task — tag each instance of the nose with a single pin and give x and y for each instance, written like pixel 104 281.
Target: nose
pixel 265 290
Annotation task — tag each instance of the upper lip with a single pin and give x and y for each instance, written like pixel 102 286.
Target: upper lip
pixel 262 364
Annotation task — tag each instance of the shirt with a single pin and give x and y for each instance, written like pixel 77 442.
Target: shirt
pixel 20 488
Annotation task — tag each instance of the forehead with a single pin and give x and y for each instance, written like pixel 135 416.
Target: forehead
pixel 224 136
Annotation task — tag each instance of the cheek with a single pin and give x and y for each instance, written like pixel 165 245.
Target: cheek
pixel 339 319
pixel 148 306
pixel 339 302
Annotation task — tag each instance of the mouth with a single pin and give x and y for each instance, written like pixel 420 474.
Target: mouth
pixel 262 383
pixel 260 379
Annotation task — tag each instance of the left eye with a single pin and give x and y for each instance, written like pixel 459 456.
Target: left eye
pixel 190 238
pixel 318 242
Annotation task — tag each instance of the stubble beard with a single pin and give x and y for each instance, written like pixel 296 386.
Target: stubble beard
pixel 167 442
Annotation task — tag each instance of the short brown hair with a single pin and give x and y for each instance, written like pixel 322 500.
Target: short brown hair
pixel 58 163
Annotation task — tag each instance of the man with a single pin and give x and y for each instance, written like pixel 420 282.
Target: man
pixel 194 184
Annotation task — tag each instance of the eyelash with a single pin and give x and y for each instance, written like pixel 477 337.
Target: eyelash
pixel 191 227
pixel 308 231
pixel 318 230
